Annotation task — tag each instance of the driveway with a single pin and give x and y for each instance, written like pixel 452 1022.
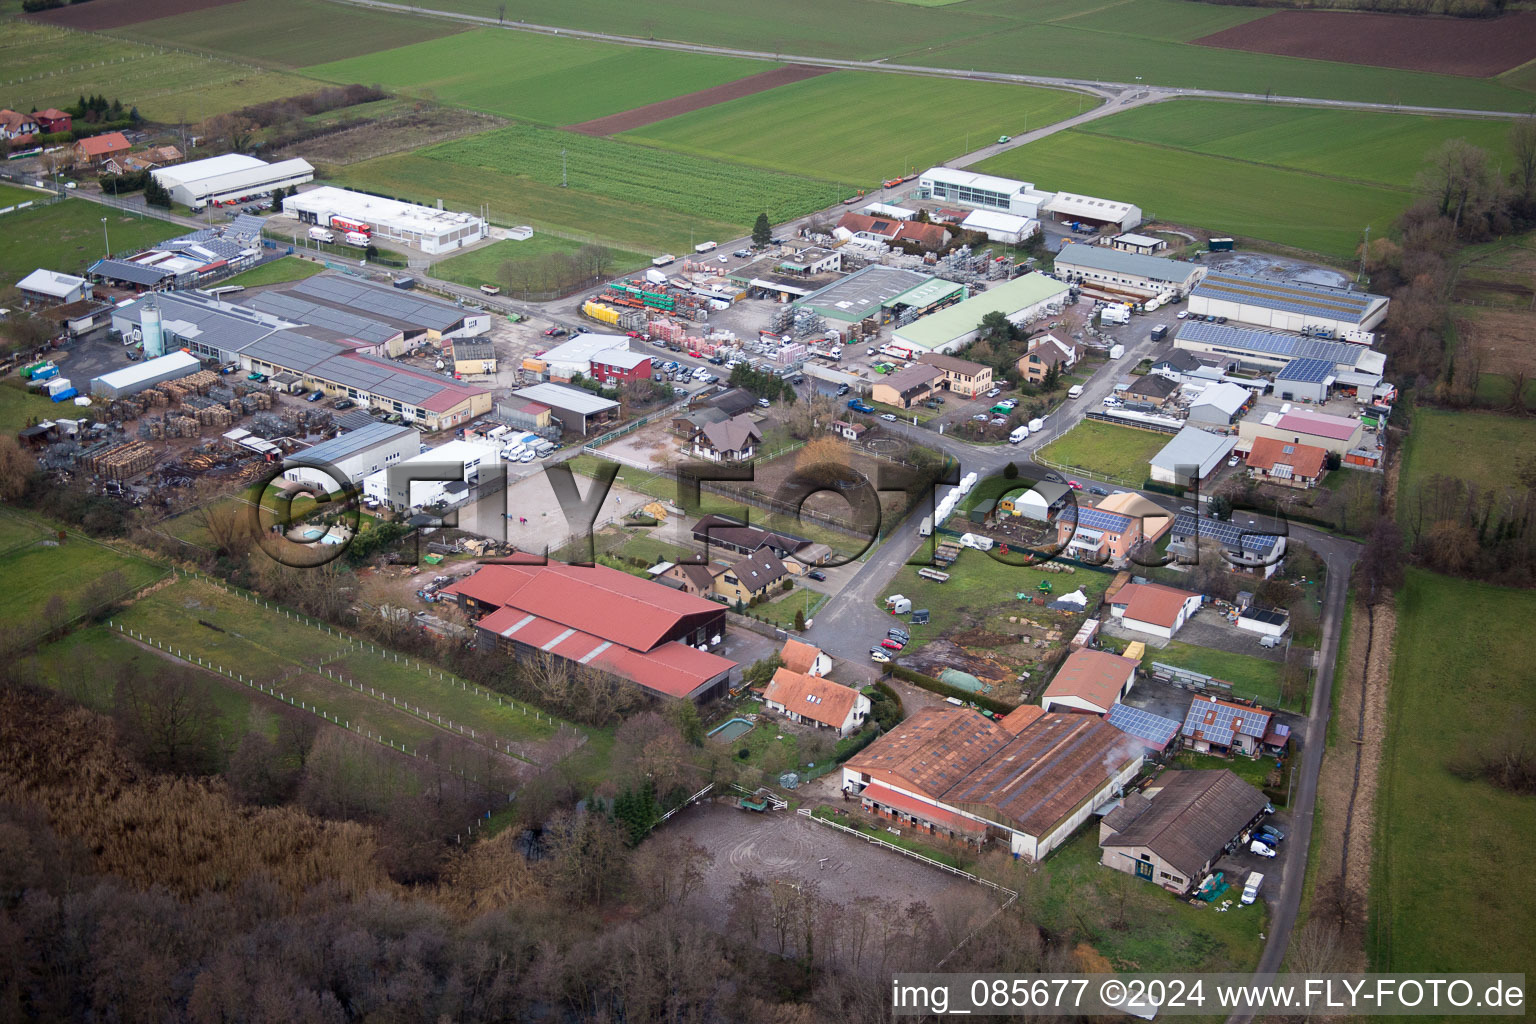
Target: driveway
pixel 1209 628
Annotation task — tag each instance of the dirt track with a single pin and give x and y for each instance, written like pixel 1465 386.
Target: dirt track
pixel 100 14
pixel 1473 48
pixel 639 117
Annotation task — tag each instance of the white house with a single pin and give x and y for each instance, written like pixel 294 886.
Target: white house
pixel 812 700
pixel 807 659
pixel 1153 608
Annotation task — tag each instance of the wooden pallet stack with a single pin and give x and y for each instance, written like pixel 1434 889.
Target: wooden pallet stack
pixel 120 462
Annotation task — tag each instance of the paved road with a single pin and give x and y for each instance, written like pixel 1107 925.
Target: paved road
pixel 1102 88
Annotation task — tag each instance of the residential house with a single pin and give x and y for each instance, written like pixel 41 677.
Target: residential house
pixel 1245 549
pixel 52 120
pixel 848 431
pixel 1150 389
pixel 732 440
pixel 1112 532
pixel 1091 681
pixel 812 700
pixel 1215 726
pixel 1175 831
pixel 733 402
pixel 1192 455
pixel 98 148
pixel 689 425
pixel 958 775
pixel 1044 353
pixel 961 376
pixel 860 227
pixel 16 126
pixel 751 577
pixel 906 388
pixel 1154 608
pixel 734 535
pixel 806 659
pixel 692 577
pixel 1186 367
pixel 1290 465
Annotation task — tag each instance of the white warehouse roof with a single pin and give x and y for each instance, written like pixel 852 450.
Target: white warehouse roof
pixel 376 210
pixel 989 182
pixel 1068 204
pixel 254 176
pixel 50 282
pixel 992 220
pixel 198 170
pixel 150 369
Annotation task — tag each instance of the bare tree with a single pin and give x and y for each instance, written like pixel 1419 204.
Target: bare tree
pixel 1522 146
pixel 16 469
pixel 168 720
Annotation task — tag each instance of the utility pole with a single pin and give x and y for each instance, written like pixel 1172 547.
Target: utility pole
pixel 563 182
pixel 1363 250
pixel 105 240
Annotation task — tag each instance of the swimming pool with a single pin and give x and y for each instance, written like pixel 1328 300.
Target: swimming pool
pixel 314 533
pixel 731 730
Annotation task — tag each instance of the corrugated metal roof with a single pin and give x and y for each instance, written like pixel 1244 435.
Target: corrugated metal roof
pixel 363 297
pixel 943 327
pixel 1193 447
pixel 1290 297
pixel 558 396
pixel 1132 264
pixel 1244 339
pixel 350 443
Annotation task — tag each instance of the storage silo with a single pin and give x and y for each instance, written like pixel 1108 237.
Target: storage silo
pixel 154 334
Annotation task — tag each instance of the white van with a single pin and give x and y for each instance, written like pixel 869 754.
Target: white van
pixel 925 528
pixel 1075 391
pixel 1019 434
pixel 1251 887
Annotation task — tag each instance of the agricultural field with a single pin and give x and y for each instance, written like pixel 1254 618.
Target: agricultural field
pixel 66 237
pixel 822 126
pixel 982 591
pixel 621 194
pixel 1106 451
pixel 543 79
pixel 289 268
pixel 1478 447
pixel 49 67
pixel 1461 685
pixel 289 33
pixel 1150 39
pixel 483 265
pixel 34 570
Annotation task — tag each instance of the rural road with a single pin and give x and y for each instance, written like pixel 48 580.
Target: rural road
pixel 1106 90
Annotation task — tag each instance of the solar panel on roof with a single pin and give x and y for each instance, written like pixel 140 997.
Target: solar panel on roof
pixel 1306 371
pixel 1269 343
pixel 1229 534
pixel 1098 519
pixel 1155 729
pixel 1291 297
pixel 1219 720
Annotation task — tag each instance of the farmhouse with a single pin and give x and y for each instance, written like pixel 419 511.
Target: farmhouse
pixel 959 775
pixel 1155 732
pixel 431 231
pixel 818 702
pixel 1304 426
pixel 1289 306
pixel 961 376
pixel 1124 276
pixel 1218 405
pixel 1089 680
pixel 1001 227
pixel 751 576
pixel 18 126
pixel 50 288
pixel 600 618
pixel 99 148
pixel 1247 550
pixel 1153 608
pixel 856 227
pixel 905 388
pixel 53 120
pixel 1174 832
pixel 806 659
pixel 1215 726
pixel 1021 300
pixel 1192 455
pixel 354 455
pixel 732 440
pixel 1271 460
pixel 734 535
pixel 229 178
pixel 968 188
pixel 1045 352
pixel 575 409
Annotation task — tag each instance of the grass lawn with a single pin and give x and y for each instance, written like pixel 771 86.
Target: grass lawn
pixel 34 572
pixel 67 237
pixel 1451 889
pixel 288 268
pixel 822 127
pixel 1479 447
pixel 10 195
pixel 19 407
pixel 51 67
pixel 289 32
pixel 483 265
pixel 551 80
pixel 1251 677
pixel 1108 452
pixel 1252 770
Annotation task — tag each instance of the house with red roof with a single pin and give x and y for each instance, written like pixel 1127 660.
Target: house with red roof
pixel 16 125
pixel 807 659
pixel 1303 426
pixel 54 120
pixel 1153 608
pixel 1286 463
pixel 862 227
pixel 599 619
pixel 1090 681
pixel 818 702
pixel 98 148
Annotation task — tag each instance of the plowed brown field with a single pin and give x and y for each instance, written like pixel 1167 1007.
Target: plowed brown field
pixel 1474 48
pixel 100 14
pixel 639 117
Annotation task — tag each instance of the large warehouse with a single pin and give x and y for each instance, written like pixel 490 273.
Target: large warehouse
pixel 953 327
pixel 230 178
pixel 1124 276
pixel 130 380
pixel 867 298
pixel 354 454
pixel 431 231
pixel 1070 208
pixel 1288 306
pixel 968 188
pixel 1268 352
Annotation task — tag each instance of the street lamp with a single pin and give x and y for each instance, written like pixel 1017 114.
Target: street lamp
pixel 105 240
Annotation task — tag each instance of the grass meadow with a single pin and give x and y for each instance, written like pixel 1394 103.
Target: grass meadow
pixel 36 565
pixel 1451 889
pixel 50 67
pixel 10 195
pixel 289 268
pixel 543 79
pixel 483 265
pixel 1480 447
pixel 1251 678
pixel 1107 450
pixel 823 126
pixel 67 237
pixel 290 33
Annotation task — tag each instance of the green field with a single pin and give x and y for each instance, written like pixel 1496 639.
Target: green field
pixel 290 268
pixel 1451 889
pixel 483 265
pixel 10 195
pixel 290 32
pixel 545 79
pixel 1118 454
pixel 49 67
pixel 1120 41
pixel 34 572
pixel 67 237
pixel 20 407
pixel 982 589
pixel 1478 447
pixel 822 127
pixel 625 195
pixel 1251 678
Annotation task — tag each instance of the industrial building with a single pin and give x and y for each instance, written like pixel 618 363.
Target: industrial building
pixel 465 456
pixel 349 305
pixel 50 288
pixel 606 357
pixel 1125 276
pixel 602 619
pixel 1023 299
pixel 354 455
pixel 1007 228
pixel 1338 434
pixel 1291 306
pixel 431 231
pixel 230 178
pixel 1174 832
pixel 130 380
pixel 1218 405
pixel 867 298
pixel 1192 455
pixel 1070 208
pixel 471 355
pixel 1028 781
pixel 1268 352
pixel 967 188
pixel 575 409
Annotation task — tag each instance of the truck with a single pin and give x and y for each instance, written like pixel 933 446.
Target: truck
pixel 1115 314
pixel 705 247
pixel 1019 434
pixel 858 405
pixel 899 351
pixel 1159 332
pixel 1251 887
pixel 321 235
pixel 491 289
pixel 356 238
pixel 1075 391
pixel 925 528
pixel 350 225
pixel 663 260
pixel 1036 425
pixel 1116 351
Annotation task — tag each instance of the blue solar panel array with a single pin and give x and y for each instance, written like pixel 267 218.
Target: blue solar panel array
pixel 1306 371
pixel 1309 299
pixel 1097 519
pixel 1225 721
pixel 1229 535
pixel 1244 339
pixel 1144 725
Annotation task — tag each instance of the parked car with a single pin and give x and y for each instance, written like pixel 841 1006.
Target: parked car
pixel 994 392
pixel 899 634
pixel 554 332
pixel 888 417
pixel 892 645
pixel 1261 849
pixel 1101 492
pixel 1221 319
pixel 999 421
pixel 314 396
pixel 876 654
pixel 981 417
pixel 817 575
pixel 742 254
pixel 1270 834
pixel 1183 314
pixel 842 389
pixel 343 403
pixel 1234 460
pixel 1074 485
